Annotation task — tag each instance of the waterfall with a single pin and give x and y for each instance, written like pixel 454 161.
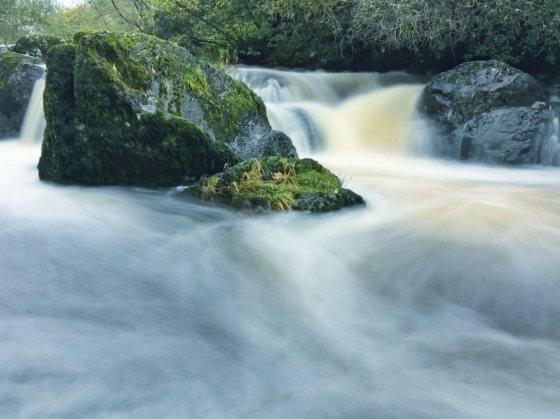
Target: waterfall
pixel 344 112
pixel 34 121
pixel 438 299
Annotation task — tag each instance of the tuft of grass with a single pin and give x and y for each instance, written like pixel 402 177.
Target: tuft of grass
pixel 210 187
pixel 274 183
pixel 271 193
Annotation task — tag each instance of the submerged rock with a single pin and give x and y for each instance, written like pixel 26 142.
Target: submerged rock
pixel 18 74
pixel 37 45
pixel 136 110
pixel 488 111
pixel 277 184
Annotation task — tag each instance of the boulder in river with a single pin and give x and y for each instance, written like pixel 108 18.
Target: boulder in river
pixel 505 136
pixel 133 109
pixel 488 111
pixel 277 184
pixel 18 74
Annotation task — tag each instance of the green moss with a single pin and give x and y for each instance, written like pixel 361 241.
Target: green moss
pixel 195 81
pixel 141 61
pixel 60 148
pixel 78 35
pixel 95 135
pixel 113 54
pixel 8 63
pixel 37 45
pixel 237 105
pixel 278 184
pixel 139 110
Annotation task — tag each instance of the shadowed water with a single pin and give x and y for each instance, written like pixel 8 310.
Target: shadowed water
pixel 438 299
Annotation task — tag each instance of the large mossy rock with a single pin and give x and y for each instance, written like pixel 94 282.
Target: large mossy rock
pixel 18 74
pixel 277 184
pixel 136 110
pixel 37 45
pixel 488 111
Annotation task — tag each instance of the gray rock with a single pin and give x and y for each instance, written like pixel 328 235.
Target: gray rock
pixel 488 111
pixel 504 136
pixel 272 143
pixel 454 97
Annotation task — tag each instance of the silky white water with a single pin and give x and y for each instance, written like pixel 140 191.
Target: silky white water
pixel 34 120
pixel 437 300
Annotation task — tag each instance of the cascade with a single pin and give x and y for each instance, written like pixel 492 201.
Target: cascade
pixel 34 121
pixel 344 112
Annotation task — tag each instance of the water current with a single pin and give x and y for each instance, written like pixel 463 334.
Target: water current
pixel 439 299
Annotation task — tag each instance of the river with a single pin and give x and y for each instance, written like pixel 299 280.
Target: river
pixel 439 299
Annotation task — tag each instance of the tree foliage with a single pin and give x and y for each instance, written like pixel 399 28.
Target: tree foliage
pixel 511 30
pixel 516 31
pixel 317 33
pixel 18 17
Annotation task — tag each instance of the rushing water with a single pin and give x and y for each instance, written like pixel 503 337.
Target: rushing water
pixel 437 300
pixel 34 119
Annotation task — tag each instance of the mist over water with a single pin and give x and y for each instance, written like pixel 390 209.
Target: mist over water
pixel 439 299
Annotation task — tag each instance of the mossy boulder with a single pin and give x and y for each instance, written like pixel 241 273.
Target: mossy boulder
pixel 456 96
pixel 18 74
pixel 37 45
pixel 488 111
pixel 277 184
pixel 132 109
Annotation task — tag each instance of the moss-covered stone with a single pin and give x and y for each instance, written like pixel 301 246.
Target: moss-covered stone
pixel 482 111
pixel 134 109
pixel 277 184
pixel 454 97
pixel 18 74
pixel 37 45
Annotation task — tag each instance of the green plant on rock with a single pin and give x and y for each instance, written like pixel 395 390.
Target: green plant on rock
pixel 195 81
pixel 278 184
